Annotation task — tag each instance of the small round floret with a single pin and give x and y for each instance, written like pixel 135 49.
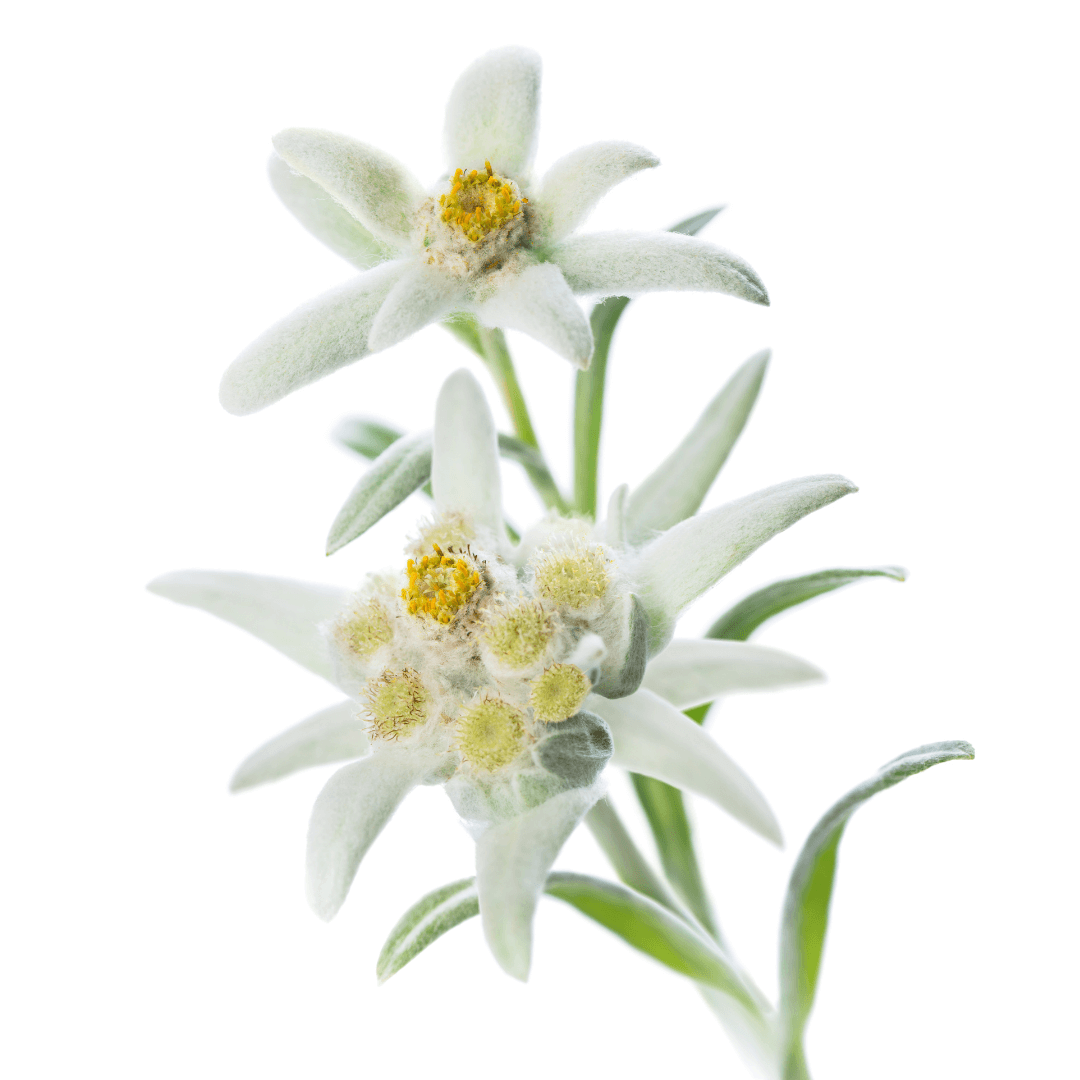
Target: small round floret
pixel 575 578
pixel 558 693
pixel 491 734
pixel 397 702
pixel 518 636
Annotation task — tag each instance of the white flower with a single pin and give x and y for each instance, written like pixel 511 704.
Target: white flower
pixel 486 240
pixel 510 674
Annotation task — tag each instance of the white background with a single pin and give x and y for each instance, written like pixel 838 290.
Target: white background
pixel 902 177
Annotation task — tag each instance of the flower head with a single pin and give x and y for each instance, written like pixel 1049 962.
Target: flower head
pixel 512 674
pixel 486 240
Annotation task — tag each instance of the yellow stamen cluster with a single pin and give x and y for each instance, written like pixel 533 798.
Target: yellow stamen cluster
pixel 396 702
pixel 558 693
pixel 518 636
pixel 440 585
pixel 365 629
pixel 491 734
pixel 574 579
pixel 479 202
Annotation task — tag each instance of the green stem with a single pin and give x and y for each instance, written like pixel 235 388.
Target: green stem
pixel 589 405
pixel 495 353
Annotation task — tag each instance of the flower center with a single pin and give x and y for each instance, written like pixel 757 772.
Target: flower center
pixel 480 202
pixel 558 693
pixel 518 636
pixel 491 734
pixel 396 702
pixel 440 585
pixel 573 579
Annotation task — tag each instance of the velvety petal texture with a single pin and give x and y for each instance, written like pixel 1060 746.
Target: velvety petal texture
pixel 538 302
pixel 350 812
pixel 578 181
pixel 676 488
pixel 317 338
pixel 656 739
pixel 323 216
pixel 421 295
pixel 628 264
pixel 465 464
pixel 512 863
pixel 377 190
pixel 693 671
pixel 285 614
pixel 684 562
pixel 492 113
pixel 333 734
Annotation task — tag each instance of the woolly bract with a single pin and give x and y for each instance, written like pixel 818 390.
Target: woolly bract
pixel 485 241
pixel 441 692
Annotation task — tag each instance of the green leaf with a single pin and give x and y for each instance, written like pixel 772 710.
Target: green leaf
pixel 677 487
pixel 739 622
pixel 806 907
pixel 467 330
pixel 639 921
pixel 665 810
pixel 402 468
pixel 425 922
pixel 368 438
pixel 589 388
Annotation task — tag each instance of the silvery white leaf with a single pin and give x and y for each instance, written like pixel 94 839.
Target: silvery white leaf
pixel 465 465
pixel 324 217
pixel 422 295
pixel 676 488
pixel 615 523
pixel 333 734
pixel 317 338
pixel 512 863
pixel 628 264
pixel 492 113
pixel 402 468
pixel 426 921
pixel 351 810
pixel 682 563
pixel 377 190
pixel 691 672
pixel 538 302
pixel 625 679
pixel 570 189
pixel 285 614
pixel 656 739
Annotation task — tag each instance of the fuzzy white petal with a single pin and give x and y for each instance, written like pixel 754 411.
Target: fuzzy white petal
pixel 324 217
pixel 350 812
pixel 692 672
pixel 492 113
pixel 613 529
pixel 465 464
pixel 655 739
pixel 423 294
pixel 676 488
pixel 377 190
pixel 512 863
pixel 321 336
pixel 570 189
pixel 285 614
pixel 682 563
pixel 333 734
pixel 627 264
pixel 538 302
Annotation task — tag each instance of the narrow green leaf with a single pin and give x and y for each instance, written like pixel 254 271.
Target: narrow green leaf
pixel 739 622
pixel 653 930
pixel 639 921
pixel 402 468
pixel 467 330
pixel 426 921
pixel 665 810
pixel 589 388
pixel 368 438
pixel 806 907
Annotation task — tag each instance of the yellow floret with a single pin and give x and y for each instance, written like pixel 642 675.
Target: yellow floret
pixel 491 734
pixel 558 693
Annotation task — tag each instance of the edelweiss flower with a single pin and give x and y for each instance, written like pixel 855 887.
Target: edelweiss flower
pixel 511 674
pixel 485 241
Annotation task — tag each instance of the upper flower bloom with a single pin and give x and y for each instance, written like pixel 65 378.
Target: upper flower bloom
pixel 512 673
pixel 486 241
